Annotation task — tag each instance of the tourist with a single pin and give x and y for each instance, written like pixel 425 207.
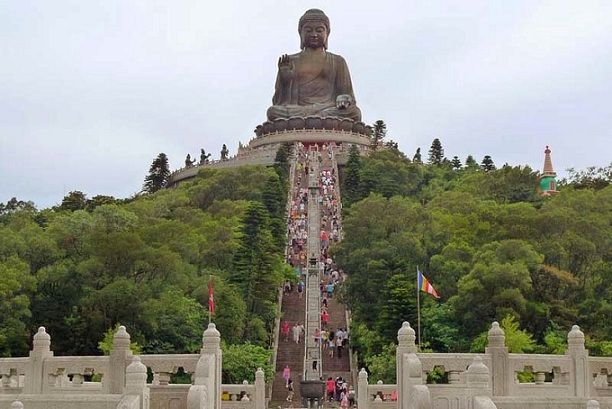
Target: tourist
pixel 330 386
pixel 300 289
pixel 286 374
pixel 330 289
pixel 339 346
pixel 324 318
pixel 289 390
pixel 285 330
pixel 296 332
pixel 317 335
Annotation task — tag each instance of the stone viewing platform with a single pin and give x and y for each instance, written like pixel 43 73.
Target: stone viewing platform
pixel 262 150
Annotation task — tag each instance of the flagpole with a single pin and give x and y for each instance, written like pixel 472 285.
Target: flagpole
pixel 418 309
pixel 209 281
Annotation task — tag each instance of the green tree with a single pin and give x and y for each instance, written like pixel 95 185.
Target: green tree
pixel 16 284
pixel 498 284
pixel 456 163
pixel 159 172
pixel 15 205
pixel 436 152
pixel 351 182
pixel 75 200
pixel 281 161
pixel 378 134
pixel 257 265
pixel 241 361
pixel 470 163
pixel 487 164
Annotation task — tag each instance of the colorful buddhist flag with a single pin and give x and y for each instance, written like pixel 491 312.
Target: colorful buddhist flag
pixel 211 297
pixel 425 286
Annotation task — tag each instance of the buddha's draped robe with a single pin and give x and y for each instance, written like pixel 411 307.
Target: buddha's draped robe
pixel 314 92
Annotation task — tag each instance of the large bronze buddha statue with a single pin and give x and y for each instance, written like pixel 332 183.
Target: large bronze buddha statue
pixel 313 82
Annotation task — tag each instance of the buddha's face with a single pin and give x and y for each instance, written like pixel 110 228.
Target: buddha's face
pixel 314 35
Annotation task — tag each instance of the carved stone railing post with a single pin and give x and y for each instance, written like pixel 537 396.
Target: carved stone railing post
pixel 119 359
pixel 362 390
pixel 211 344
pixel 205 393
pixel 136 382
pixel 416 393
pixel 405 345
pixel 579 374
pixel 496 348
pixel 260 389
pixel 477 379
pixel 35 379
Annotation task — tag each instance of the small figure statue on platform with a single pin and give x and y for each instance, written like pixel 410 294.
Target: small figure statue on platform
pixel 224 152
pixel 188 162
pixel 204 156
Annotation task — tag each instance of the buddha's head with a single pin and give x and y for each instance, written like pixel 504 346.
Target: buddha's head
pixel 314 29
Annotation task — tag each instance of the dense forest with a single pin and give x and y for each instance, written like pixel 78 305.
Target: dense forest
pixel 88 265
pixel 491 246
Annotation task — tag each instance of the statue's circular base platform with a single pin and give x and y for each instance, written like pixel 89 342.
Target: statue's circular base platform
pixel 262 150
pixel 307 136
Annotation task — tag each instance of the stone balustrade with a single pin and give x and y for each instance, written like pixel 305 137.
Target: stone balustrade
pixel 44 381
pixel 490 380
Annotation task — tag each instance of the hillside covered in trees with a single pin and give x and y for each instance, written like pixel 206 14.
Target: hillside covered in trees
pixel 492 247
pixel 86 266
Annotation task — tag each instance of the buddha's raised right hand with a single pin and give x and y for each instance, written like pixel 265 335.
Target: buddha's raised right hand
pixel 285 66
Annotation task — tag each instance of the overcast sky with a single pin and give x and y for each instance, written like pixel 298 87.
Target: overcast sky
pixel 92 91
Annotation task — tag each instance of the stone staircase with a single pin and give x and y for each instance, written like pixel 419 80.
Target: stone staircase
pixel 289 353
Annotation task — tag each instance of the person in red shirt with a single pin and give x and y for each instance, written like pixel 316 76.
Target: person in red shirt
pixel 331 388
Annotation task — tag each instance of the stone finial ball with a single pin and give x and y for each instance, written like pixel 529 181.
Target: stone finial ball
pixel 41 335
pixel 211 331
pixel 136 366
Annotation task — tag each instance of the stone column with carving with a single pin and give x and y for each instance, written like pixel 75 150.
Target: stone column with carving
pixel 405 345
pixel 477 379
pixel 579 355
pixel 260 389
pixel 136 381
pixel 41 349
pixel 496 348
pixel 119 359
pixel 205 393
pixel 362 390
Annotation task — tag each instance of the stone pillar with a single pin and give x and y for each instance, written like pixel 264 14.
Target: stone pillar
pixel 119 359
pixel 477 380
pixel 35 378
pixel 579 368
pixel 211 344
pixel 136 381
pixel 260 389
pixel 496 348
pixel 405 345
pixel 362 390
